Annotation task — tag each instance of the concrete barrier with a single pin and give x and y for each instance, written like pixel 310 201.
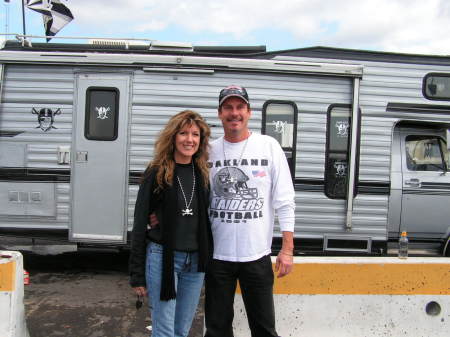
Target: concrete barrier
pixel 360 296
pixel 12 322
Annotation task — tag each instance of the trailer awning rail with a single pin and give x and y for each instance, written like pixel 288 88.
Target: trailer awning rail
pixel 180 61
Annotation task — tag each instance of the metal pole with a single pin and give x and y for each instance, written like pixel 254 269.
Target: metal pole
pixel 6 4
pixel 23 17
pixel 352 161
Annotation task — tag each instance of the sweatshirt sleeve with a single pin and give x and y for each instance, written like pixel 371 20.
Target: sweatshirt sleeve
pixel 138 236
pixel 282 189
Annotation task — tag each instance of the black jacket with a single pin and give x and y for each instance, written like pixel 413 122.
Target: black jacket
pixel 162 203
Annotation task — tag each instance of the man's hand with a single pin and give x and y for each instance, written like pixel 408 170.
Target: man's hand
pixel 285 258
pixel 284 264
pixel 153 221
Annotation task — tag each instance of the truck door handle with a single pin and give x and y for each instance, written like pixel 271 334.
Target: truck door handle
pixel 413 182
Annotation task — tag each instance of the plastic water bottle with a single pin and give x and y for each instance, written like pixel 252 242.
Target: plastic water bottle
pixel 403 246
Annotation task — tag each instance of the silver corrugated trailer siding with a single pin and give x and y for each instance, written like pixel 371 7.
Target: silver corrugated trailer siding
pixel 25 87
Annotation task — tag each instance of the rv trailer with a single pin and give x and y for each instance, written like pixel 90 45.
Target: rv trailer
pixel 365 134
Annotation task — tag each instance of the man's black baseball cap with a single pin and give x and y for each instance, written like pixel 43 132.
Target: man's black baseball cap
pixel 233 91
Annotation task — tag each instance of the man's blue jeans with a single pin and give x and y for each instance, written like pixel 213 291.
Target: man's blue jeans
pixel 174 317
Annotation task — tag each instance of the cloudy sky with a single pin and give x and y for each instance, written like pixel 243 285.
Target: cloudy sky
pixel 409 26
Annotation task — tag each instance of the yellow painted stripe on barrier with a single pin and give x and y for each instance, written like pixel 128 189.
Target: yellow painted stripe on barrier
pixel 7 276
pixel 366 279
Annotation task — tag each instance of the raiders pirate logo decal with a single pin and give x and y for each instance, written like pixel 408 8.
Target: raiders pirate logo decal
pixel 342 128
pixel 46 118
pixel 102 112
pixel 341 168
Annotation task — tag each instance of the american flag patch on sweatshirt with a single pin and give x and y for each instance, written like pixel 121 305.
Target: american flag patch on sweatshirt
pixel 259 173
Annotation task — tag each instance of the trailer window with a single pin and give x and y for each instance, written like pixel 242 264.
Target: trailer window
pixel 436 86
pixel 337 154
pixel 425 153
pixel 279 120
pixel 101 115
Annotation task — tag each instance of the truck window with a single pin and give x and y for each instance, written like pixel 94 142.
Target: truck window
pixel 425 153
pixel 337 152
pixel 279 120
pixel 101 113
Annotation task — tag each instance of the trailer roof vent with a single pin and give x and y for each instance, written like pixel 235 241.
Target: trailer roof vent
pixel 117 43
pixel 171 46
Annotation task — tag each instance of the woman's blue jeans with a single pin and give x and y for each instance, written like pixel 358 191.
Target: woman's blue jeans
pixel 174 317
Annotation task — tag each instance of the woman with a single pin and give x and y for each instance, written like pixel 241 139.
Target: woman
pixel 170 259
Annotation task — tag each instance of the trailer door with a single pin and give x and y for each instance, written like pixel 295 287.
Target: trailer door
pixel 426 186
pixel 99 158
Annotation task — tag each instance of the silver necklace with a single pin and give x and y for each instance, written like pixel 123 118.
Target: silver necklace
pixel 231 178
pixel 187 210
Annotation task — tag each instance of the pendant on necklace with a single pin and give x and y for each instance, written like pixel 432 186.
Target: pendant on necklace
pixel 187 211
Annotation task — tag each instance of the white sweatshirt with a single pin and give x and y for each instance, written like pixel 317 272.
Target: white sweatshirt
pixel 250 180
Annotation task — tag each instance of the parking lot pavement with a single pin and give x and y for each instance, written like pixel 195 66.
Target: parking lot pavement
pixel 83 293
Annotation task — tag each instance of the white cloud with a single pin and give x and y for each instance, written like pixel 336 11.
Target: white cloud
pixel 398 26
pixel 415 26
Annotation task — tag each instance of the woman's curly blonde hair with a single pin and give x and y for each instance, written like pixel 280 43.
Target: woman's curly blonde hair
pixel 164 161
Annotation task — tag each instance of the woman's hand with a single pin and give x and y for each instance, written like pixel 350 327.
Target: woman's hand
pixel 153 221
pixel 140 291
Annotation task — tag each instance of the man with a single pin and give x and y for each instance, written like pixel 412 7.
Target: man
pixel 250 182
